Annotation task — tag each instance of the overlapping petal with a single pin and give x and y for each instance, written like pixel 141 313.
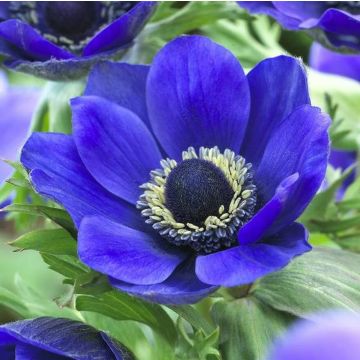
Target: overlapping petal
pixel 129 82
pixel 126 254
pixel 65 179
pixel 197 95
pixel 243 264
pixel 115 145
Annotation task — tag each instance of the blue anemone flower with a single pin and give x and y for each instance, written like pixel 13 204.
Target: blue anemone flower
pixel 57 339
pixel 333 336
pixel 61 40
pixel 187 174
pixel 336 24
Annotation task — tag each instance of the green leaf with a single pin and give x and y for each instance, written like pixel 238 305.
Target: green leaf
pixel 331 226
pixel 120 306
pixel 49 241
pixel 193 317
pixel 68 266
pixel 318 206
pixel 58 216
pixel 319 239
pixel 321 279
pixel 13 302
pixel 247 327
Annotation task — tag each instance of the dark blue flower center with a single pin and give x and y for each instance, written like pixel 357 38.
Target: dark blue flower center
pixel 72 19
pixel 69 24
pixel 196 189
pixel 352 7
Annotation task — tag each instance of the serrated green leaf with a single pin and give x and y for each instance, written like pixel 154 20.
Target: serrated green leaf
pixel 121 306
pixel 48 241
pixel 69 266
pixel 321 279
pixel 248 327
pixel 59 216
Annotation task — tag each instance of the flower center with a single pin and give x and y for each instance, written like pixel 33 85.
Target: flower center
pixel 202 201
pixel 196 189
pixel 69 24
pixel 352 7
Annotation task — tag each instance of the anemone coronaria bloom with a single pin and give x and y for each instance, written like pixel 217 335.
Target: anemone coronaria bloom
pixel 61 40
pixel 186 175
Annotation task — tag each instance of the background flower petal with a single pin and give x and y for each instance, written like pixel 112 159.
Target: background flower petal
pixel 244 264
pixel 60 336
pixel 58 173
pixel 126 254
pixel 183 287
pixel 197 96
pixel 16 108
pixel 277 87
pixel 35 47
pixel 331 62
pixel 115 145
pixel 121 31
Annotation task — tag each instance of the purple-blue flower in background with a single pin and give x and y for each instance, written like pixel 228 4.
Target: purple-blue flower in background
pixel 347 65
pixel 333 336
pixel 187 174
pixel 61 40
pixel 56 339
pixel 16 107
pixel 336 24
pixel 328 61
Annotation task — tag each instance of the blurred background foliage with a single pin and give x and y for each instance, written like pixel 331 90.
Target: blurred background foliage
pixel 28 288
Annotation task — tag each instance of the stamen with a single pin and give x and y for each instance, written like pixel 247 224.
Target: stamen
pixel 217 231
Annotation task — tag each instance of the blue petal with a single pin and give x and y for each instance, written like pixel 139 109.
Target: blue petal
pixel 340 28
pixel 277 87
pixel 115 146
pixel 266 216
pixel 126 254
pixel 129 82
pixel 183 287
pixel 334 335
pixel 121 31
pixel 59 336
pixel 25 38
pixel 268 8
pixel 301 10
pixel 197 96
pixel 244 264
pixel 16 108
pixel 58 173
pixel 331 62
pixel 28 352
pixel 300 144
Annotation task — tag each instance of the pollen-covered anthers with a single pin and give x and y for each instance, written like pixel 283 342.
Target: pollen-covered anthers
pixel 216 232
